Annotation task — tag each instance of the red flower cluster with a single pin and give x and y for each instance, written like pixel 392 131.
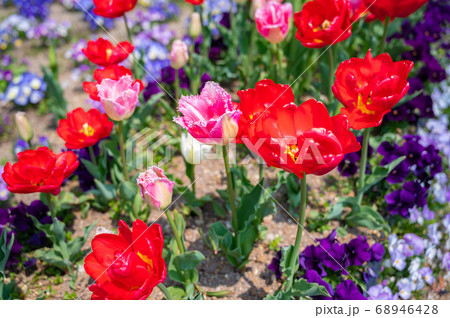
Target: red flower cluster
pixel 82 129
pixel 103 53
pixel 113 8
pixel 393 9
pixel 114 72
pixel 298 139
pixel 323 22
pixel 128 265
pixel 369 88
pixel 39 170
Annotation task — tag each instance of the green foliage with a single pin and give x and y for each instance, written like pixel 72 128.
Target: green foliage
pixel 56 101
pixel 300 289
pixel 5 250
pixel 253 207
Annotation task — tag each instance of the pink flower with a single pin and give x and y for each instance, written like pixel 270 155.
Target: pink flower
pixel 209 117
pixel 119 97
pixel 156 188
pixel 178 54
pixel 272 20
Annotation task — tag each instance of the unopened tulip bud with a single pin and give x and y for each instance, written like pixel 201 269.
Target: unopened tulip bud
pixel 192 149
pixel 24 126
pixel 230 128
pixel 179 54
pixel 156 188
pixel 195 27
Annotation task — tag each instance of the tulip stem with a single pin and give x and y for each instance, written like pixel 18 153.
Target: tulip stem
pixel 178 237
pixel 261 171
pixel 122 150
pixel 330 74
pixel 177 86
pixel 298 238
pixel 234 218
pixel 50 205
pixel 165 291
pixel 279 53
pixel 383 39
pixel 130 37
pixel 92 154
pixel 363 164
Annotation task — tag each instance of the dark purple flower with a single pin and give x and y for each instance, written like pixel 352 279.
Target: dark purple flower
pixel 274 265
pixel 151 89
pixel 4 217
pixel 400 113
pixel 347 290
pixel 432 70
pixel 312 258
pixel 399 202
pixel 390 152
pixel 377 252
pixel 348 166
pixel 413 151
pixel 358 251
pixel 399 173
pixel 29 263
pixel 312 276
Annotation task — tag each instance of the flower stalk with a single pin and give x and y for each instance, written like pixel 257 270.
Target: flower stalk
pixel 362 167
pixel 165 291
pixel 298 239
pixel 122 151
pixel 230 188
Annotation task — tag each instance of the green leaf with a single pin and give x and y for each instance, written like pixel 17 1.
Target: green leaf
pixel 93 170
pixel 5 250
pixel 188 260
pixel 301 288
pixel 107 190
pixel 177 292
pixel 128 190
pixel 286 253
pixel 218 209
pixel 367 217
pixel 336 209
pixel 380 173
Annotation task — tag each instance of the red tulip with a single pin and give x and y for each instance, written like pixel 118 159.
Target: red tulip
pixel 369 88
pixel 103 53
pixel 113 8
pixel 393 9
pixel 39 170
pixel 128 265
pixel 195 2
pixel 298 139
pixel 114 72
pixel 323 22
pixel 82 129
pixel 359 11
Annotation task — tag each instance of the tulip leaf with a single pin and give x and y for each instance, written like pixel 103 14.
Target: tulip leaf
pixel 301 288
pixel 336 209
pixel 380 173
pixel 93 169
pixel 107 190
pixel 128 190
pixel 5 250
pixel 367 217
pixel 286 253
pixel 188 260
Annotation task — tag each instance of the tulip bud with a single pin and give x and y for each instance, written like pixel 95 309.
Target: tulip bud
pixel 24 126
pixel 192 149
pixel 230 128
pixel 179 54
pixel 156 188
pixel 195 27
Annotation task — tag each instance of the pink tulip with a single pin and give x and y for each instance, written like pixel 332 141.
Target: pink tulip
pixel 272 20
pixel 119 97
pixel 179 55
pixel 156 188
pixel 209 117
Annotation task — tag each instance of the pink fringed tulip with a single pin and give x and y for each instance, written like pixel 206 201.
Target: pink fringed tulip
pixel 209 117
pixel 272 20
pixel 178 54
pixel 156 188
pixel 119 97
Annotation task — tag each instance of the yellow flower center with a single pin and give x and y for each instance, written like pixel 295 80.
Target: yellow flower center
pixel 324 26
pixel 87 130
pixel 292 152
pixel 363 107
pixel 108 53
pixel 146 259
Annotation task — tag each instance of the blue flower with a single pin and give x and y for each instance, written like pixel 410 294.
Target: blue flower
pixel 380 292
pixel 25 89
pixel 404 288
